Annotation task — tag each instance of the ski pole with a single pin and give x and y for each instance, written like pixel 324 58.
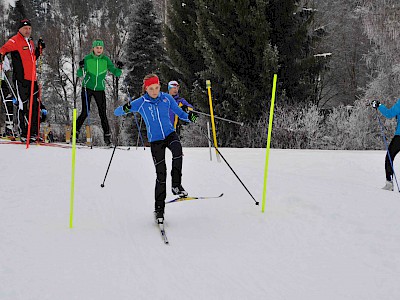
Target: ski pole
pixel 134 115
pixel 219 152
pixel 219 118
pixel 112 155
pixel 387 149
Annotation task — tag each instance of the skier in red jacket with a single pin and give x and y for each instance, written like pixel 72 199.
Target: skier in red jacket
pixel 24 57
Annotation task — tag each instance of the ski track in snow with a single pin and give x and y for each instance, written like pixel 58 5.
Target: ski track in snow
pixel 329 231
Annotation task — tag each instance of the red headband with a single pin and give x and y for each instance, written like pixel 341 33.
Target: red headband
pixel 150 81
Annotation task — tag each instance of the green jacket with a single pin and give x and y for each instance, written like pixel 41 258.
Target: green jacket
pixel 96 70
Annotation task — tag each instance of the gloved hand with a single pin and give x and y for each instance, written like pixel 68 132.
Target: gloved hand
pixel 82 64
pixel 41 43
pixel 43 115
pixel 43 112
pixel 375 104
pixel 120 65
pixel 185 108
pixel 15 101
pixel 127 107
pixel 192 116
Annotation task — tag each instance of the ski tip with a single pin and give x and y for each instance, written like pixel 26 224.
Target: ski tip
pixel 221 195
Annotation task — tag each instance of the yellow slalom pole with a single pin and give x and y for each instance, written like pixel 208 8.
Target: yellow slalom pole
pixel 71 214
pixel 208 84
pixel 271 118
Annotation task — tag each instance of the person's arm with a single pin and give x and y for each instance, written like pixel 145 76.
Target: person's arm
pixel 112 68
pixel 9 46
pixel 132 106
pixel 177 110
pixel 390 112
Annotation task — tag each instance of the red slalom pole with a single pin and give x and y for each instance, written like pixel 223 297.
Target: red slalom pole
pixel 39 92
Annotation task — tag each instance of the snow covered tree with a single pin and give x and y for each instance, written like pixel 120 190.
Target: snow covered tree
pixel 342 32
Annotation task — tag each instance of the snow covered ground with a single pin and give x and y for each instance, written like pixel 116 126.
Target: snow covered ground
pixel 329 231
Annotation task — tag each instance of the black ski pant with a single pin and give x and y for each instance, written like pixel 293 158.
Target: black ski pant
pixel 100 98
pixel 24 93
pixel 394 148
pixel 173 143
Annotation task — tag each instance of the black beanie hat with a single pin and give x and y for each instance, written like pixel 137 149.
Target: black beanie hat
pixel 24 22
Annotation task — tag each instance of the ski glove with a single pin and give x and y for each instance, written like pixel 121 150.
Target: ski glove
pixel 375 104
pixel 82 64
pixel 192 116
pixel 41 43
pixel 44 112
pixel 185 108
pixel 15 102
pixel 127 108
pixel 120 65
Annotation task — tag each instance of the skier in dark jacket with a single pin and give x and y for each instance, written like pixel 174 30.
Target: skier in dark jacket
pixel 94 67
pixel 394 146
pixel 173 90
pixel 154 107
pixel 24 55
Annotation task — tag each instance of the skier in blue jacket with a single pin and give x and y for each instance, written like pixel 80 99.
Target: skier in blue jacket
pixel 394 146
pixel 173 90
pixel 154 107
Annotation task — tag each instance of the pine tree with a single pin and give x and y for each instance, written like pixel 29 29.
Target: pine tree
pixel 290 33
pixel 185 60
pixel 144 50
pixel 234 41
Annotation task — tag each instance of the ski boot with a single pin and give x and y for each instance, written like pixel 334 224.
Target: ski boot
pixel 179 191
pixel 388 186
pixel 159 215
pixel 107 139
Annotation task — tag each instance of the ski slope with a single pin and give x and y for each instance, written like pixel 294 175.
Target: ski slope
pixel 329 231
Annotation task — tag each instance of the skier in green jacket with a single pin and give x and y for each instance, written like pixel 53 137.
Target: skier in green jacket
pixel 94 68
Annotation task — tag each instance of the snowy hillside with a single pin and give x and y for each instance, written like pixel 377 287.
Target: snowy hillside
pixel 329 231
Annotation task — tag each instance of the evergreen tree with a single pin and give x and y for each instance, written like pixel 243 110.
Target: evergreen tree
pixel 290 33
pixel 144 50
pixel 185 60
pixel 234 41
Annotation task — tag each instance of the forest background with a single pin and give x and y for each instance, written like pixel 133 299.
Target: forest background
pixel 332 59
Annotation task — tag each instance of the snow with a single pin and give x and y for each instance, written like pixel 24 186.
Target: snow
pixel 329 231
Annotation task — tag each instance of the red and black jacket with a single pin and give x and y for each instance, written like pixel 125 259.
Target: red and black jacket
pixel 23 56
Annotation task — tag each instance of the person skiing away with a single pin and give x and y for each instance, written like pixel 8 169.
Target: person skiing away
pixel 24 56
pixel 94 68
pixel 394 146
pixel 173 90
pixel 8 101
pixel 154 108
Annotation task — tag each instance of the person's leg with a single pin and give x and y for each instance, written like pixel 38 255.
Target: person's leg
pixel 394 148
pixel 100 98
pixel 22 113
pixel 35 108
pixel 174 145
pixel 158 153
pixel 85 97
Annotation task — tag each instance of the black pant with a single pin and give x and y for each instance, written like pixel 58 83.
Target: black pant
pixel 100 98
pixel 394 148
pixel 173 143
pixel 24 92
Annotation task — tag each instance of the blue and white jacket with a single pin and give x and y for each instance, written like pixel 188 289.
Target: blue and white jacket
pixel 392 112
pixel 155 113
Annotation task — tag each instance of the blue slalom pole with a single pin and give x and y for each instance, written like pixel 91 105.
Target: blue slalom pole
pixel 387 149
